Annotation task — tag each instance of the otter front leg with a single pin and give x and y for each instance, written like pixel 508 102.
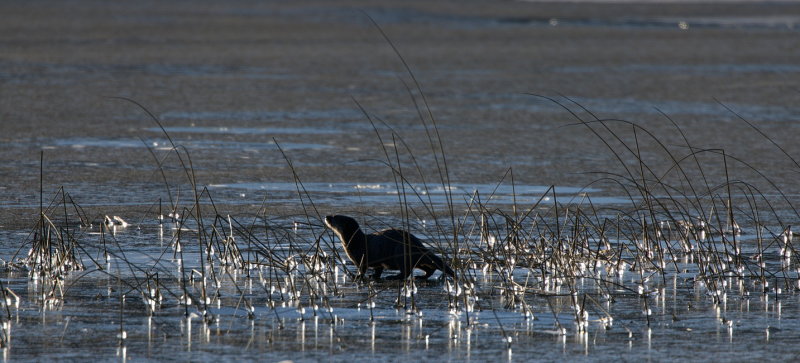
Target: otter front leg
pixel 362 273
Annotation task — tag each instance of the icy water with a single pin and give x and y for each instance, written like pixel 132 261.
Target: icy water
pixel 608 180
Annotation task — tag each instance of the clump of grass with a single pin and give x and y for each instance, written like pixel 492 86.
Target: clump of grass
pixel 53 247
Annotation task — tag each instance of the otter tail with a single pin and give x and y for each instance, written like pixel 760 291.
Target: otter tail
pixel 441 265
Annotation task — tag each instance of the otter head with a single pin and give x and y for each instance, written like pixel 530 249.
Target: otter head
pixel 344 227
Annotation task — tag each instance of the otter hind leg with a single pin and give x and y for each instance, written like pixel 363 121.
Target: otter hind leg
pixel 376 275
pixel 438 264
pixel 429 270
pixel 404 273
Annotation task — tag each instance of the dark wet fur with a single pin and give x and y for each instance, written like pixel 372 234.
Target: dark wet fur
pixel 386 249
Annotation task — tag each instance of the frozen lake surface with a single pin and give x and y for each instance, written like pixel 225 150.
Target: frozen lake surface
pixel 605 186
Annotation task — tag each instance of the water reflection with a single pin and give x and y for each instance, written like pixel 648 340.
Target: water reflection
pixel 273 283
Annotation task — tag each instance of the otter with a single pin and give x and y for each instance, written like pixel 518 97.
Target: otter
pixel 390 249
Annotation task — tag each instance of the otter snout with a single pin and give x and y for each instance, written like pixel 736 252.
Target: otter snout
pixel 328 221
pixel 341 223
